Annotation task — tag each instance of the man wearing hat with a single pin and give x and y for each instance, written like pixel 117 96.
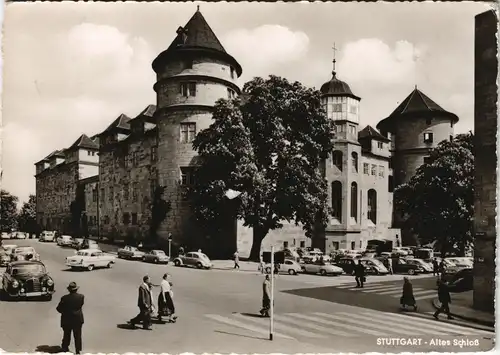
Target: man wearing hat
pixel 70 308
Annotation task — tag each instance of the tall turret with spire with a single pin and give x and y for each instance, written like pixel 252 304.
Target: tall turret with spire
pixel 192 74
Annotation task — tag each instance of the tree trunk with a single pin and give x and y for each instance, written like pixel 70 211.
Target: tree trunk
pixel 258 237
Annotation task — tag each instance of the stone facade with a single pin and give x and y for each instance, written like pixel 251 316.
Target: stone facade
pixel 485 123
pixel 90 187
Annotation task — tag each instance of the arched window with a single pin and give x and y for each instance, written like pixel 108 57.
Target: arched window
pixel 354 201
pixel 337 200
pixel 372 205
pixel 337 159
pixel 354 159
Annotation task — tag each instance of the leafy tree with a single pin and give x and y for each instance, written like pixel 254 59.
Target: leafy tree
pixel 438 202
pixel 159 211
pixel 268 146
pixel 27 217
pixel 8 211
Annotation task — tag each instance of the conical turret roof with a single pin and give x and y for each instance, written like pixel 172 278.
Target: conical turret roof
pixel 195 36
pixel 417 104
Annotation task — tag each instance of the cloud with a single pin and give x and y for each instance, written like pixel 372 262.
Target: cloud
pixel 372 61
pixel 263 49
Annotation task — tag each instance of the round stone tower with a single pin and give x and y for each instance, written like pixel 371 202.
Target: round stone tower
pixel 192 74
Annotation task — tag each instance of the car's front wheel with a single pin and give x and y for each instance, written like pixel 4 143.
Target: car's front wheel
pixel 411 272
pixel 90 267
pixel 322 272
pixel 156 261
pixel 292 272
pixel 199 266
pixel 110 264
pixel 177 263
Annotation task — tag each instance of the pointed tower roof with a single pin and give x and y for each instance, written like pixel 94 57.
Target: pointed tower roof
pixel 84 142
pixel 417 104
pixel 371 133
pixel 121 123
pixel 194 38
pixel 336 87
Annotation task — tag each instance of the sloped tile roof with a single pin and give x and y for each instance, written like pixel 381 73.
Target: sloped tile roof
pixel 84 142
pixel 55 153
pixel 370 132
pixel 122 122
pixel 148 113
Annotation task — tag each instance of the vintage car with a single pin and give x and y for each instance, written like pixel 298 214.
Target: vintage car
pixel 24 253
pixel 130 252
pixel 90 259
pixel 461 281
pixel 47 236
pixel 374 266
pixel 26 279
pixel 323 268
pixel 197 259
pixel 18 235
pixel 289 267
pixel 462 261
pixel 419 262
pixel 401 266
pixel 4 258
pixel 77 242
pixel 156 256
pixel 5 235
pixel 9 248
pixel 64 241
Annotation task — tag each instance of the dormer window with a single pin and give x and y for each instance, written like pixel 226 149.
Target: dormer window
pixel 428 137
pixel 232 73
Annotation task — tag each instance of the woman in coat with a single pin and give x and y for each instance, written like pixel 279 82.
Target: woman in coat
pixel 408 299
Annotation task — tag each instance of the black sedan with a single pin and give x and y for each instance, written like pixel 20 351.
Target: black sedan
pixel 26 279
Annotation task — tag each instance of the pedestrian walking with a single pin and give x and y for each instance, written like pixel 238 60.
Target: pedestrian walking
pixel 389 265
pixel 408 298
pixel 236 260
pixel 445 300
pixel 262 265
pixel 359 274
pixel 70 306
pixel 266 297
pixel 435 267
pixel 145 304
pixel 166 300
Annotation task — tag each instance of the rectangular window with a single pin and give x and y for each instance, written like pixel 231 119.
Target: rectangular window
pixel 366 168
pixel 187 176
pixel 390 163
pixel 427 160
pixel 125 192
pixel 380 145
pixel 374 170
pixel 106 220
pixel 353 245
pixel 135 191
pixel 102 194
pixel 152 187
pixel 188 89
pixel 89 152
pixel 126 218
pixel 188 132
pixel 391 183
pixel 428 137
pixel 302 243
pixel 154 153
pixel 232 73
pixel 285 244
pixel 337 107
pixel 381 171
pixel 352 130
pixel 94 195
pixel 134 219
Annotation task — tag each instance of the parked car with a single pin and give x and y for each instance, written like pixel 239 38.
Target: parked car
pixel 47 236
pixel 27 279
pixel 5 235
pixel 88 244
pixel 323 268
pixel 462 262
pixel 4 258
pixel 291 253
pixel 450 267
pixel 90 259
pixel 129 252
pixel 400 251
pixel 408 250
pixel 419 262
pixel 373 266
pixel 288 267
pixel 346 264
pixel 24 253
pixel 9 248
pixel 18 235
pixel 401 266
pixel 64 241
pixel 460 281
pixel 77 242
pixel 156 256
pixel 197 259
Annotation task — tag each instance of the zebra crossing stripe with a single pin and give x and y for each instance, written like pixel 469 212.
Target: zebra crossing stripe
pixel 355 328
pixel 440 327
pixel 392 292
pixel 314 326
pixel 277 325
pixel 235 323
pixel 410 329
pixel 354 285
pixel 382 289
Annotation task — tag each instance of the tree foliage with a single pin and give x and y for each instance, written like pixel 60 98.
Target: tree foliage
pixel 159 211
pixel 8 211
pixel 438 202
pixel 27 217
pixel 268 146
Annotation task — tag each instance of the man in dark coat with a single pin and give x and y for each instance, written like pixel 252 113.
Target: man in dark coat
pixel 70 308
pixel 444 298
pixel 359 273
pixel 435 267
pixel 145 304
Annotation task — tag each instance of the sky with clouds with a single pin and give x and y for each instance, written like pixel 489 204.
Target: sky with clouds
pixel 71 68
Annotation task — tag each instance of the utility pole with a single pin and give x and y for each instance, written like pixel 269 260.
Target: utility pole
pixel 170 245
pixel 271 310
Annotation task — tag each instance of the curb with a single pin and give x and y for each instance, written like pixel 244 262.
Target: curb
pixel 435 303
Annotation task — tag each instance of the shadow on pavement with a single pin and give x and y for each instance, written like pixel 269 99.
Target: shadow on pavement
pixel 126 326
pixel 239 335
pixel 49 349
pixel 254 315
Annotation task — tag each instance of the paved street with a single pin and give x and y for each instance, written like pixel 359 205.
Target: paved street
pixel 217 313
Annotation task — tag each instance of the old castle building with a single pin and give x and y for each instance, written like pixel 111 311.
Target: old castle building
pixel 118 170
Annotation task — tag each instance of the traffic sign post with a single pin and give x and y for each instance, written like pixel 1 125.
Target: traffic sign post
pixel 169 245
pixel 271 310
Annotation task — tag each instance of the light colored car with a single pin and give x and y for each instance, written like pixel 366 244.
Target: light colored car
pixel 64 241
pixel 130 252
pixel 77 242
pixel 18 235
pixel 90 259
pixel 22 253
pixel 462 262
pixel 423 264
pixel 197 259
pixel 5 235
pixel 290 267
pixel 4 258
pixel 48 236
pixel 156 256
pixel 374 266
pixel 9 247
pixel 400 251
pixel 323 269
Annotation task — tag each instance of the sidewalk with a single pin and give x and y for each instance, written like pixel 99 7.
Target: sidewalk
pixel 461 307
pixel 246 266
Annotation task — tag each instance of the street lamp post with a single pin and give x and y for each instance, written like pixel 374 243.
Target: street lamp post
pixel 169 245
pixel 271 310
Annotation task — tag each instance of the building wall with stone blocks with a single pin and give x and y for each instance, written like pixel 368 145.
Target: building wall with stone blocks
pixel 91 192
pixel 486 162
